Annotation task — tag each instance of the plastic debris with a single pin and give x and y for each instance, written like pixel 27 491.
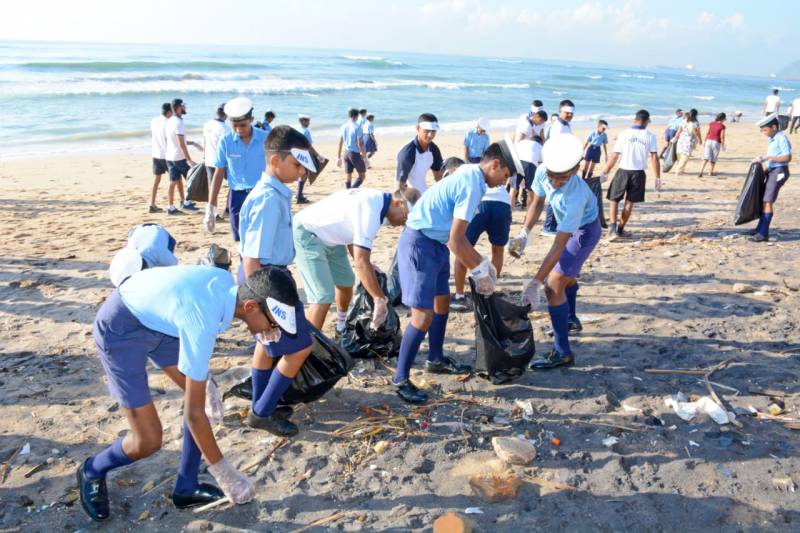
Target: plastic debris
pixel 473 510
pixel 527 408
pixel 688 410
pixel 26 449
pixel 610 441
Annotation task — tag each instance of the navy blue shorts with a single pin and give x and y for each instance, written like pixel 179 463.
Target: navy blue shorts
pixel 592 154
pixel 235 201
pixel 494 218
pixel 424 266
pixel 579 248
pixel 370 146
pixel 288 344
pixel 177 169
pixel 669 133
pixel 773 186
pixel 159 166
pixel 530 172
pixel 124 345
pixel 353 160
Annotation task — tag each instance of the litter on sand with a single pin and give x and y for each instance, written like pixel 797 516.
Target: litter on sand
pixel 688 410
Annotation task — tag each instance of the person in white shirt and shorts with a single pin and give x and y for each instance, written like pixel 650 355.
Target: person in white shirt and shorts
pixel 158 140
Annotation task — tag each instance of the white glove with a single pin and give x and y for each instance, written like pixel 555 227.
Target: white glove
pixel 782 176
pixel 366 161
pixel 516 246
pixel 233 483
pixel 215 410
pixel 380 312
pixel 533 293
pixel 210 219
pixel 485 276
pixel 603 177
pixel 269 336
pixel 338 162
pixel 758 159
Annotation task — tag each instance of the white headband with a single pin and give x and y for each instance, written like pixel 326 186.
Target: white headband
pixel 567 109
pixel 429 126
pixel 535 108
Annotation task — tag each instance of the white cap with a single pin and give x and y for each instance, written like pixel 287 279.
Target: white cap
pixel 239 108
pixel 766 121
pixel 302 116
pixel 283 314
pixel 125 264
pixel 562 152
pixel 484 123
pixel 304 158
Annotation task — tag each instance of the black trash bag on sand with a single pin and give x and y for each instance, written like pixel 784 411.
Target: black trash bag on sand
pixel 504 342
pixel 751 199
pixel 394 293
pixel 669 157
pixel 197 184
pixel 359 339
pixel 326 365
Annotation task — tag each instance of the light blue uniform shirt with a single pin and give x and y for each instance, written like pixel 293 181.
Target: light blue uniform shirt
pixel 307 134
pixel 457 196
pixel 244 162
pixel 597 139
pixel 351 133
pixel 675 123
pixel 154 244
pixel 476 143
pixel 367 129
pixel 574 204
pixel 265 223
pixel 778 145
pixel 193 303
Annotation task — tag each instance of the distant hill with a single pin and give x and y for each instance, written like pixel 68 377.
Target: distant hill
pixel 791 70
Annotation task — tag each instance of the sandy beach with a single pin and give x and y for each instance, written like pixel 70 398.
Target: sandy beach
pixel 664 299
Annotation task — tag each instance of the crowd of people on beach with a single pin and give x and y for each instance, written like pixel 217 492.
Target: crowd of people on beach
pixel 172 314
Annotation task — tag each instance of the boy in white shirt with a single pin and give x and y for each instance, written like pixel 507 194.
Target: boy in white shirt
pixel 158 139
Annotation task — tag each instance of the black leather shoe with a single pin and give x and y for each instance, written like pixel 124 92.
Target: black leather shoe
pixel 273 424
pixel 205 493
pixel 552 360
pixel 411 394
pixel 758 238
pixel 447 366
pixel 303 200
pixel 244 390
pixel 94 495
pixel 574 326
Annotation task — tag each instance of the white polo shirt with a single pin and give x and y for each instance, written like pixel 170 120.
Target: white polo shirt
pixel 174 128
pixel 413 164
pixel 213 130
pixel 351 216
pixel 530 151
pixel 773 101
pixel 634 145
pixel 158 137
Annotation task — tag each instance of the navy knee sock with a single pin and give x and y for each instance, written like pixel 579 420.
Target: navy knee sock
pixel 572 296
pixel 190 464
pixel 766 219
pixel 760 223
pixel 266 404
pixel 409 346
pixel 559 317
pixel 112 457
pixel 260 380
pixel 358 183
pixel 300 185
pixel 436 338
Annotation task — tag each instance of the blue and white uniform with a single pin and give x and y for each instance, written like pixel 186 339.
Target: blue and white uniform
pixel 243 164
pixel 170 315
pixel 777 173
pixel 559 125
pixel 413 164
pixel 351 133
pixel 369 138
pixel 266 235
pixel 596 141
pixel 476 144
pixel 672 127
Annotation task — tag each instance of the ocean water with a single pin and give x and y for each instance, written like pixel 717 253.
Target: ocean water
pixel 62 98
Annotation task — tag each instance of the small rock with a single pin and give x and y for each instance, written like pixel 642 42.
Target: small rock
pixel 380 447
pixel 454 523
pixel 742 288
pixel 514 450
pixel 495 487
pixel 784 482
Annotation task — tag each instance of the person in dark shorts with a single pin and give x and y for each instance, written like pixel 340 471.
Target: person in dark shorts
pixel 634 148
pixel 353 155
pixel 779 155
pixel 158 141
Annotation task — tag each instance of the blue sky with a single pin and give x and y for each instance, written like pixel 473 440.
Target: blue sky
pixel 747 37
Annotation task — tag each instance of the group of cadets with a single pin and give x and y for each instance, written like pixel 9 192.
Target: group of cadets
pixel 172 314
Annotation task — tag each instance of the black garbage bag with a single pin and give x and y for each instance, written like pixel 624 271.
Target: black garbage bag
pixel 197 184
pixel 669 157
pixel 504 342
pixel 216 256
pixel 359 339
pixel 326 365
pixel 393 291
pixel 750 203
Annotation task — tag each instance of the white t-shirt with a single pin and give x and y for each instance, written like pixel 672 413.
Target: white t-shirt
pixel 497 194
pixel 524 127
pixel 174 128
pixel 351 216
pixel 634 146
pixel 796 107
pixel 158 136
pixel 213 130
pixel 556 127
pixel 530 151
pixel 773 101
